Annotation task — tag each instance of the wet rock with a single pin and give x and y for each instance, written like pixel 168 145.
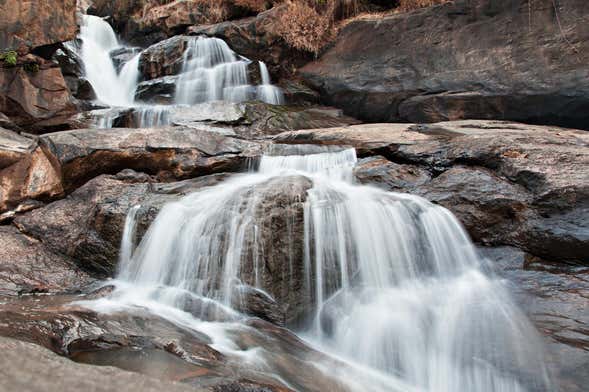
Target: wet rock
pixel 28 25
pixel 509 183
pixel 26 266
pixel 442 63
pixel 170 152
pixel 25 172
pixel 380 172
pixel 36 100
pixel 257 303
pixel 145 343
pixel 157 91
pixel 53 373
pixel 280 220
pixel 123 55
pixel 164 58
pixel 555 297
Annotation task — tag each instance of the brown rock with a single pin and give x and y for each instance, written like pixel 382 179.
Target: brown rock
pixel 171 152
pixel 38 101
pixel 145 343
pixel 52 373
pixel 26 266
pixel 25 172
pixel 25 25
pixel 380 172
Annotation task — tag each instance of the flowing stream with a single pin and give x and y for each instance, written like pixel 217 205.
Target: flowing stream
pixel 386 283
pixel 211 71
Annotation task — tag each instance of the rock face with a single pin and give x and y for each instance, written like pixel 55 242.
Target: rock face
pixel 38 100
pixel 25 172
pixel 554 296
pixel 57 374
pixel 486 59
pixel 508 183
pixel 25 25
pixel 26 266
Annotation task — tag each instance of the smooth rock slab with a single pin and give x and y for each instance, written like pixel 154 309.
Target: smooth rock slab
pixel 170 152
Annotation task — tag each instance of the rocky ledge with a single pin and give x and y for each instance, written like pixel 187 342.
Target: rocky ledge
pixel 510 184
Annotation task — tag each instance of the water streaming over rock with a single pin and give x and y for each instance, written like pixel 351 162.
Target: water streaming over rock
pixel 267 92
pixel 388 283
pixel 98 41
pixel 211 71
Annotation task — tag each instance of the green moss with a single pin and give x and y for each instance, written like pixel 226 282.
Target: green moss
pixel 9 58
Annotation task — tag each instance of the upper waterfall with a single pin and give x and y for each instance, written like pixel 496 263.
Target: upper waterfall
pixel 98 41
pixel 211 71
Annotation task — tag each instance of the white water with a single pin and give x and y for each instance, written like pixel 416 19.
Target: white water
pixel 111 88
pixel 266 91
pixel 211 71
pixel 396 289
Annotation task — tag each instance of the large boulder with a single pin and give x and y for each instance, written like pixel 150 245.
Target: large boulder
pixel 508 183
pixel 486 59
pixel 37 99
pixel 26 266
pixel 25 25
pixel 169 152
pixel 164 58
pixel 88 225
pixel 25 172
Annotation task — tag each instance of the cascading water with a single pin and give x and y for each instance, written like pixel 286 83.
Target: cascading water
pixel 392 284
pixel 267 92
pixel 211 71
pixel 111 88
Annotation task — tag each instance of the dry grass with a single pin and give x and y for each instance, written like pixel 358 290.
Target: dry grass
pixel 409 5
pixel 307 25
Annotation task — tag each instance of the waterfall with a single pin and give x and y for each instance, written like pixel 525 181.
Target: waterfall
pixel 98 40
pixel 391 282
pixel 266 91
pixel 211 71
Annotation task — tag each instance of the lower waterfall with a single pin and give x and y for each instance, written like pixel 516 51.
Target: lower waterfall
pixel 387 283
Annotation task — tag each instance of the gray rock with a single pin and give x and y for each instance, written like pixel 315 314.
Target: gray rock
pixel 486 59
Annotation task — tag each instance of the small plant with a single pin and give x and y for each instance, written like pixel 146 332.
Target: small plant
pixel 31 67
pixel 9 58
